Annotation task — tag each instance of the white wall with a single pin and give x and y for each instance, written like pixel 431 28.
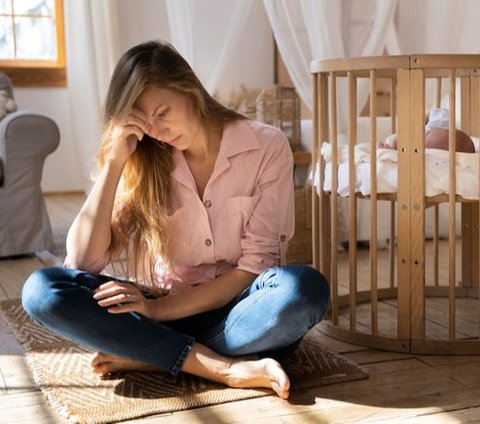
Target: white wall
pixel 62 172
pixel 142 20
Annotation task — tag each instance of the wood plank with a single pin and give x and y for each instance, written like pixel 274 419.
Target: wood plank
pixel 396 366
pixel 372 356
pixel 334 344
pixel 13 271
pixel 16 374
pixel 8 342
pixel 467 415
pixel 28 408
pixel 438 360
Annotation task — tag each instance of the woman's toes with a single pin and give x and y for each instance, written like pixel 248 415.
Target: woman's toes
pixel 280 390
pixel 98 358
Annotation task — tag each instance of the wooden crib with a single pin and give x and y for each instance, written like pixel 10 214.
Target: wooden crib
pixel 415 297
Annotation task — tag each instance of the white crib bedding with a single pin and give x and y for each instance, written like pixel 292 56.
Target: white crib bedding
pixel 436 171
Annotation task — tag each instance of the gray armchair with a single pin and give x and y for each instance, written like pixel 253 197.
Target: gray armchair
pixel 26 139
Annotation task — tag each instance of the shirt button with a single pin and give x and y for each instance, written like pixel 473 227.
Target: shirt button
pixel 207 203
pixel 283 237
pixel 208 242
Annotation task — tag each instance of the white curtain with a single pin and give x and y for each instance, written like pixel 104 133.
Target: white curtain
pixel 92 49
pixel 104 17
pixel 435 27
pixel 205 32
pixel 438 26
pixel 324 29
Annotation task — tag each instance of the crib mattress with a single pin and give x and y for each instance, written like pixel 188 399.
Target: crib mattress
pixel 436 171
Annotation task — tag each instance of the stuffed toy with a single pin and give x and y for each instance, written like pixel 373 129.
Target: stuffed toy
pixel 7 104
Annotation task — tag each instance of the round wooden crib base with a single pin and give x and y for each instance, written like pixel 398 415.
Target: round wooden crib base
pixel 437 338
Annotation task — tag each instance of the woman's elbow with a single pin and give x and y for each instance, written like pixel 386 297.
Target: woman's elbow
pixel 91 266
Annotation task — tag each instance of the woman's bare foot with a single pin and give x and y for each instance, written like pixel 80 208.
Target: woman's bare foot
pixel 260 373
pixel 244 372
pixel 104 364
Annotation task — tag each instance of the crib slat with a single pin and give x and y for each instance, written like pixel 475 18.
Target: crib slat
pixel 391 252
pixel 393 125
pixel 451 202
pixel 373 202
pixel 417 203
pixel 436 244
pixel 436 222
pixel 438 92
pixel 316 163
pixel 333 198
pixel 352 199
pixel 403 215
pixel 477 118
pixel 324 207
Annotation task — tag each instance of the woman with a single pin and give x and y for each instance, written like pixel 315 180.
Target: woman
pixel 198 200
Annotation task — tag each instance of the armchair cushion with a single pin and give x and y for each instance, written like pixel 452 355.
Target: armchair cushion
pixel 26 139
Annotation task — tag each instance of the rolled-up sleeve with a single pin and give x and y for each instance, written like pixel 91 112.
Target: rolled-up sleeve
pixel 271 224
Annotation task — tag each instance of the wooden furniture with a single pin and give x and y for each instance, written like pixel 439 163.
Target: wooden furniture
pixel 280 106
pixel 425 307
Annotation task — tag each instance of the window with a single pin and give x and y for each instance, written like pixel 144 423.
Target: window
pixel 32 50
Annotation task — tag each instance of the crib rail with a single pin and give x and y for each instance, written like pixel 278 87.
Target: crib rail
pixel 338 86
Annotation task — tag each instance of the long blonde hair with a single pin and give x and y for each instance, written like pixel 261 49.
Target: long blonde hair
pixel 139 221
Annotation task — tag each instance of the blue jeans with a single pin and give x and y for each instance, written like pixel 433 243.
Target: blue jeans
pixel 278 308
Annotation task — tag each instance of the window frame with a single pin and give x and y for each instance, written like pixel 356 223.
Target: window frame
pixel 41 73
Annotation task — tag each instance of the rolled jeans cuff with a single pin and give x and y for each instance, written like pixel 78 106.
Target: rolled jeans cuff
pixel 176 368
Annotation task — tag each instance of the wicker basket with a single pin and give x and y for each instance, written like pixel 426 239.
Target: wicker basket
pixel 300 246
pixel 280 106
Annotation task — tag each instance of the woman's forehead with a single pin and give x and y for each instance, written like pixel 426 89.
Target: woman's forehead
pixel 153 95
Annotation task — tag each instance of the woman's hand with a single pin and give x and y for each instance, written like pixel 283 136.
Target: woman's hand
pixel 126 137
pixel 120 298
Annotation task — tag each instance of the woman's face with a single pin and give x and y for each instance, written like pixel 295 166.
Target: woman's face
pixel 169 116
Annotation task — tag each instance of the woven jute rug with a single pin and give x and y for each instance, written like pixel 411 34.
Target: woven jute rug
pixel 61 370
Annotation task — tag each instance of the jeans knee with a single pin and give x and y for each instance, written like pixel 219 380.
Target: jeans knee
pixel 313 291
pixel 38 292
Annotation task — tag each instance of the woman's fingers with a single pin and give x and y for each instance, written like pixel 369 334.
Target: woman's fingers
pixel 133 130
pixel 114 288
pixel 125 307
pixel 119 297
pixel 135 121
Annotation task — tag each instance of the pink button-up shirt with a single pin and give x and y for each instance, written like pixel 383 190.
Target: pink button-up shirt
pixel 246 216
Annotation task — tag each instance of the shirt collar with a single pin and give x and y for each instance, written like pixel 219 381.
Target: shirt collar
pixel 238 137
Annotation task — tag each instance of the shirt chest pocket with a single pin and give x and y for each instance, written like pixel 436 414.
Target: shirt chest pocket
pixel 240 210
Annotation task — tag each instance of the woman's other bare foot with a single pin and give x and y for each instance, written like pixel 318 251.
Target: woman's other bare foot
pixel 104 364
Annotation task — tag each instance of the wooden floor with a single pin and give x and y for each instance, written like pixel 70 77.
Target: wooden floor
pixel 402 387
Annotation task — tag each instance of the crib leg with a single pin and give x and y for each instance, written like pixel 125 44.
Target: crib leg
pixel 470 247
